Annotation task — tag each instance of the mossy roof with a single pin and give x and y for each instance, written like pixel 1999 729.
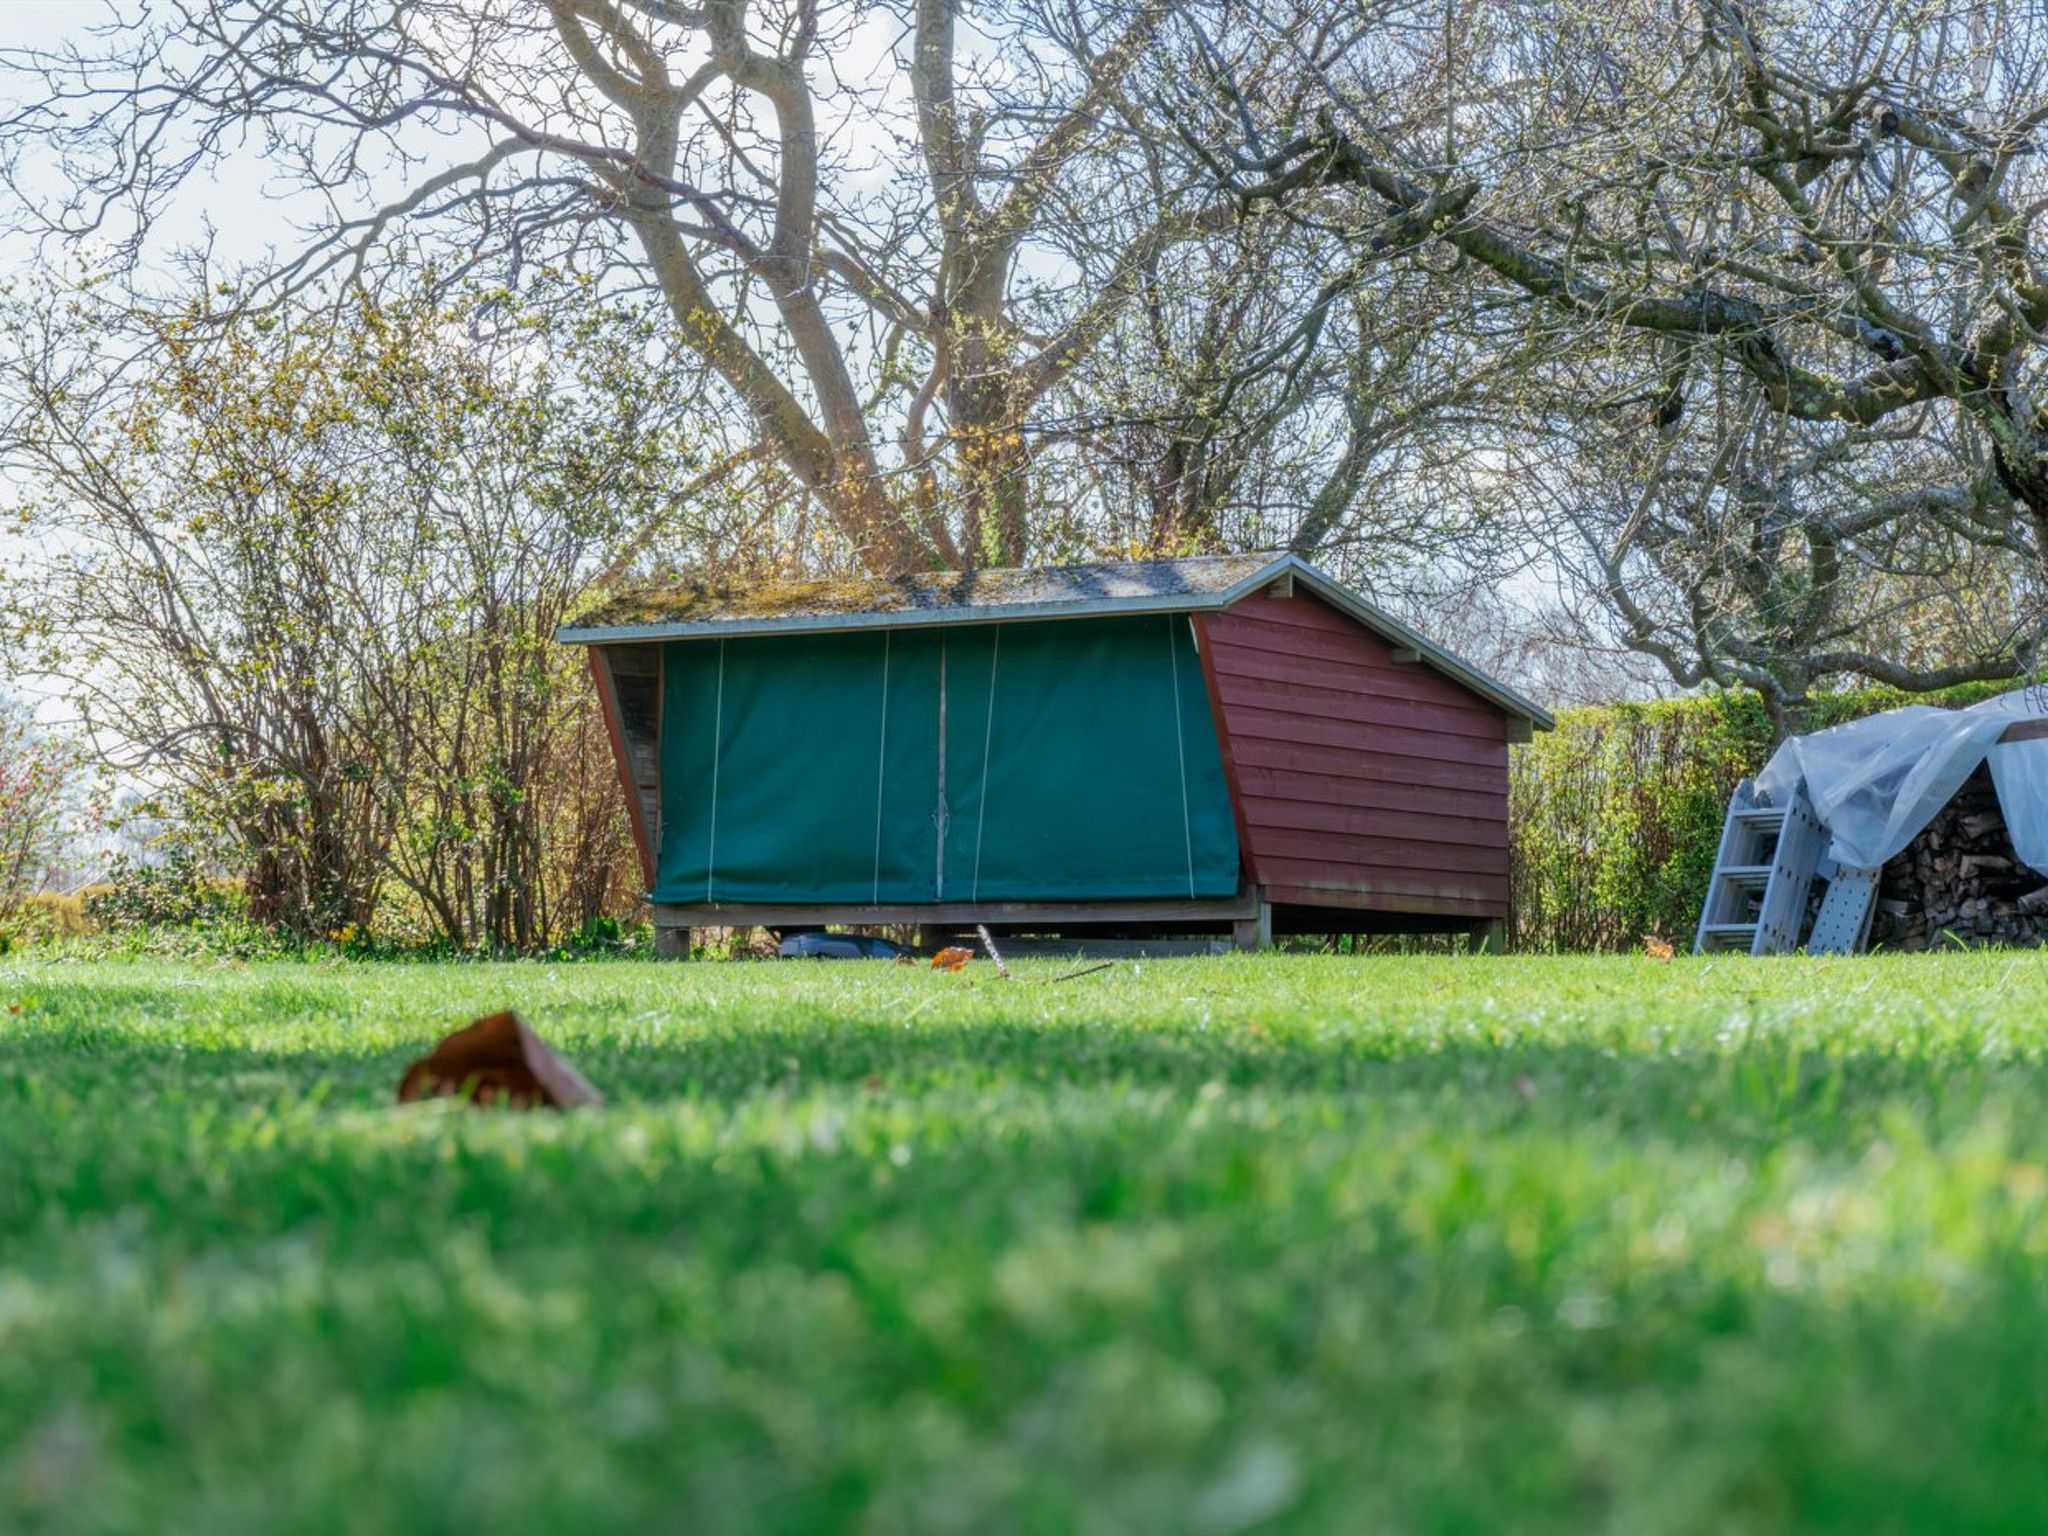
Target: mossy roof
pixel 685 610
pixel 736 607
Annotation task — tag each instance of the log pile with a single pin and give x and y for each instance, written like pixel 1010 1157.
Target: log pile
pixel 1961 877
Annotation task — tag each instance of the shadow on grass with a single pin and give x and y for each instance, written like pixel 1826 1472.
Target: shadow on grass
pixel 1765 1087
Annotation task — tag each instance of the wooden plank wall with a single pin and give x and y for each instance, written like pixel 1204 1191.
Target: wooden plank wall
pixel 629 687
pixel 1360 780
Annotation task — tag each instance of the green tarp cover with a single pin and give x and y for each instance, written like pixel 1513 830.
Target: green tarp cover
pixel 1064 761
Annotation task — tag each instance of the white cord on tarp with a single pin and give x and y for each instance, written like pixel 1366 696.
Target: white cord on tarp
pixel 881 766
pixel 1187 830
pixel 717 748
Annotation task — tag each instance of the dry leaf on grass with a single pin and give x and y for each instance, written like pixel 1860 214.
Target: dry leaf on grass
pixel 497 1060
pixel 952 958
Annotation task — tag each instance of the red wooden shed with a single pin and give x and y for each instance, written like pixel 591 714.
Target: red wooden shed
pixel 1189 745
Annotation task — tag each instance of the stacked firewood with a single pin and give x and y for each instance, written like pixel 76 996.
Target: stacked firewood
pixel 1960 881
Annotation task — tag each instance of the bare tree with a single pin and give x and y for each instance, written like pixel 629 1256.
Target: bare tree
pixel 1738 547
pixel 879 228
pixel 1782 270
pixel 1223 416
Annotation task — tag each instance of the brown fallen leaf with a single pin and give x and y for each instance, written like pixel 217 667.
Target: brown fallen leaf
pixel 1660 950
pixel 952 958
pixel 497 1060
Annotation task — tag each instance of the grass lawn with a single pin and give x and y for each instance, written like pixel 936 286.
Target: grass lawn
pixel 1288 1244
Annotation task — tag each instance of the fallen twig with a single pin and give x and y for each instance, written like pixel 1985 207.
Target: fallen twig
pixel 1086 970
pixel 989 944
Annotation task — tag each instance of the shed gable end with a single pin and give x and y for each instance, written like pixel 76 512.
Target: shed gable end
pixel 1361 776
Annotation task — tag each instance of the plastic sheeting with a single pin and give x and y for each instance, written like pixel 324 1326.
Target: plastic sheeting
pixel 2019 771
pixel 1062 761
pixel 1876 782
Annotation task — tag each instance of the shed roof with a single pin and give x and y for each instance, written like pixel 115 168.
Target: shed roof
pixel 1194 584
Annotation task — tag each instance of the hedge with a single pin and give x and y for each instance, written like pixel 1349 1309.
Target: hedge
pixel 1614 817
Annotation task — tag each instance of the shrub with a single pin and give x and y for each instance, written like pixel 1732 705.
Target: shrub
pixel 177 893
pixel 51 915
pixel 38 786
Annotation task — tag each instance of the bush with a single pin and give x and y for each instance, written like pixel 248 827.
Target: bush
pixel 1614 817
pixel 51 915
pixel 39 785
pixel 178 893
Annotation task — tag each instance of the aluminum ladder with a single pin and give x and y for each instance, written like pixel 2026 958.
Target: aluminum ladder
pixel 1762 885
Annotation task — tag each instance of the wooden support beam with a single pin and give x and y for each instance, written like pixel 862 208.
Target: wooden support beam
pixel 1256 931
pixel 1396 903
pixel 1489 936
pixel 814 915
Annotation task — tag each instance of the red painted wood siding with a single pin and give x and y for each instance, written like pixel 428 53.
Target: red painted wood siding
pixel 1359 781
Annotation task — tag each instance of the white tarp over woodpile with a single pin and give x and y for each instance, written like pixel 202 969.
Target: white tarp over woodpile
pixel 1876 782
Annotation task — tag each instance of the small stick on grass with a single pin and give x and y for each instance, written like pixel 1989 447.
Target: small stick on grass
pixel 989 944
pixel 1086 970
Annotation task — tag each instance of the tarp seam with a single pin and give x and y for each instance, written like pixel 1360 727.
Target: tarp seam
pixel 717 746
pixel 939 813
